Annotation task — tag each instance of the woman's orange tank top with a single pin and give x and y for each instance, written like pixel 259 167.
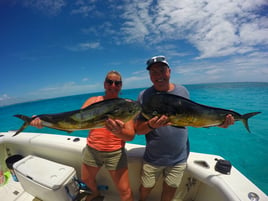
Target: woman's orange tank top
pixel 102 139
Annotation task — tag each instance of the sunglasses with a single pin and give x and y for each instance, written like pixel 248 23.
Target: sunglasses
pixel 155 60
pixel 110 82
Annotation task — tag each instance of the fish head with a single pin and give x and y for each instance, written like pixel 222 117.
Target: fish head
pixel 125 110
pixel 158 105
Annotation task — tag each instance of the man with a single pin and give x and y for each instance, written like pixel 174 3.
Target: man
pixel 167 147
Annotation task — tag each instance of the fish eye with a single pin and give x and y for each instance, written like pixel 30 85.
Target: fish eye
pixel 155 113
pixel 116 110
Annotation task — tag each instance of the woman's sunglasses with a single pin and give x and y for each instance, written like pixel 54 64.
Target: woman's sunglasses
pixel 110 82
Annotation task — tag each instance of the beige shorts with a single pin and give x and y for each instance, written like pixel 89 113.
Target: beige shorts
pixel 172 175
pixel 113 160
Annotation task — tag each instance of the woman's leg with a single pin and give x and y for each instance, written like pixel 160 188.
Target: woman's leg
pixel 88 176
pixel 121 180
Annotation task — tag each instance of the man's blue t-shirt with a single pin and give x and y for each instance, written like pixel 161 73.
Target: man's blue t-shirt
pixel 169 145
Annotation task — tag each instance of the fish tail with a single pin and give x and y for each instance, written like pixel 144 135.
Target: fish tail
pixel 27 121
pixel 245 118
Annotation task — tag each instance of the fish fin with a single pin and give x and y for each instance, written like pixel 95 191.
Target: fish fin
pixel 245 118
pixel 27 121
pixel 67 131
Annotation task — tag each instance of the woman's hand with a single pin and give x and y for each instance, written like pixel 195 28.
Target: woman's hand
pixel 115 126
pixel 125 131
pixel 37 122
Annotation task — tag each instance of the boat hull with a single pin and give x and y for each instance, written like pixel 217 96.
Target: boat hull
pixel 200 182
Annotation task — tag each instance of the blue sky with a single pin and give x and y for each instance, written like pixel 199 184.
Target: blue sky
pixel 52 48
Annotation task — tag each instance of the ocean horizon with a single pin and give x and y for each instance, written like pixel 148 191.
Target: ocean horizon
pixel 248 152
pixel 17 100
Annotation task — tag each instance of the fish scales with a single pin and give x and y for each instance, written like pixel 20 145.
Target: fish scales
pixel 184 112
pixel 93 116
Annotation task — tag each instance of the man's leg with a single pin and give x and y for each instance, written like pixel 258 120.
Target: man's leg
pixel 172 179
pixel 168 192
pixel 144 193
pixel 149 176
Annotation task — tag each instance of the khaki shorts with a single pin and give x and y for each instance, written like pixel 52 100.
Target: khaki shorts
pixel 172 175
pixel 113 160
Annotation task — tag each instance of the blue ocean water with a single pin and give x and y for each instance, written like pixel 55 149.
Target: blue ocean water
pixel 248 152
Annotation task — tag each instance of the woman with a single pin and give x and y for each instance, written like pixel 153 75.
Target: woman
pixel 105 146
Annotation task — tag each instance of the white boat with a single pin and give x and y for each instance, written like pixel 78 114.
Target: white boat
pixel 200 183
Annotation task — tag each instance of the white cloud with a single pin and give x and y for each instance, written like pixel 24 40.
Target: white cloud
pixel 255 33
pixel 69 88
pixel 4 97
pixel 49 7
pixel 83 9
pixel 137 21
pixel 85 46
pixel 215 28
pixel 85 79
pixel 241 69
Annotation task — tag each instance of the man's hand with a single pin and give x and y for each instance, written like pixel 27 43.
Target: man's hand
pixel 229 120
pixel 157 122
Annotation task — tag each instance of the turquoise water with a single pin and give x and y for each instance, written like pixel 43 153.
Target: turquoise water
pixel 248 152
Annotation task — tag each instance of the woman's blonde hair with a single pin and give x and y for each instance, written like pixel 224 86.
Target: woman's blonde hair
pixel 113 72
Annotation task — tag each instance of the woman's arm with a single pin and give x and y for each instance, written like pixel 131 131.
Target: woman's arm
pixel 125 131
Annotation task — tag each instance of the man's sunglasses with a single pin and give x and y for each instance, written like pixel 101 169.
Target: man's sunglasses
pixel 156 59
pixel 110 82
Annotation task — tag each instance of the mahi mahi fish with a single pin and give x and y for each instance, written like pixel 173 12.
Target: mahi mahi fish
pixel 184 112
pixel 93 116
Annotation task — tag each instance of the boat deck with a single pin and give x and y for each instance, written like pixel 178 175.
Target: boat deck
pixel 12 190
pixel 200 182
